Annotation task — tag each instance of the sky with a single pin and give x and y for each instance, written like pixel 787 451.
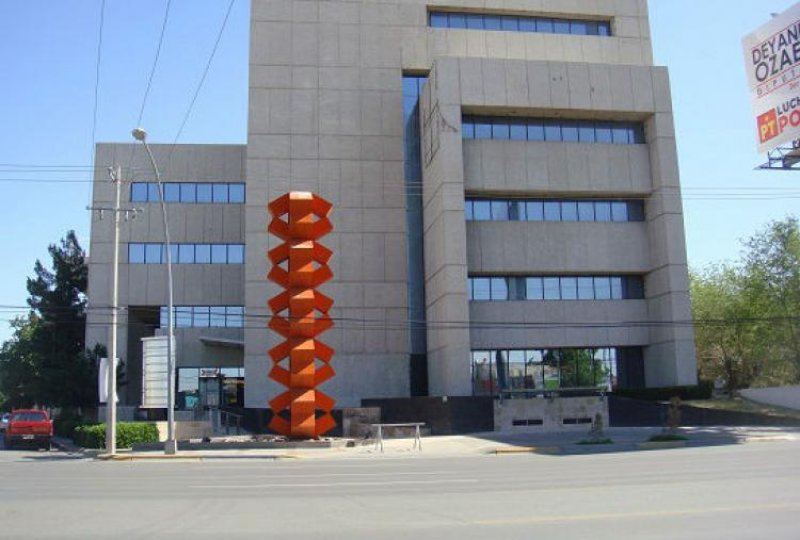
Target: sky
pixel 54 108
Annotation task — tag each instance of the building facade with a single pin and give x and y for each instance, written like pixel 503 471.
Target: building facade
pixel 507 211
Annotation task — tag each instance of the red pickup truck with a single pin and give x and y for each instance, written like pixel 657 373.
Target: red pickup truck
pixel 30 426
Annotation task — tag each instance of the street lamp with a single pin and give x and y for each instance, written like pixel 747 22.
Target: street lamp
pixel 171 445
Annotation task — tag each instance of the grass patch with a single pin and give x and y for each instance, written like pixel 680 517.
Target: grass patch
pixel 667 437
pixel 595 441
pixel 738 404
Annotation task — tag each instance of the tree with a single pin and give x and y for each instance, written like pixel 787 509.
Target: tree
pixel 729 335
pixel 46 360
pixel 19 366
pixel 747 315
pixel 773 282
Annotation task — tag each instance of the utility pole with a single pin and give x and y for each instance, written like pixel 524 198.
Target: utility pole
pixel 115 174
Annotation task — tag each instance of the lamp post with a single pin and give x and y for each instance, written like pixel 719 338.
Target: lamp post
pixel 171 445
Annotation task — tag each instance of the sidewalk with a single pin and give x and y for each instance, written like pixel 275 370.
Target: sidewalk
pixel 479 444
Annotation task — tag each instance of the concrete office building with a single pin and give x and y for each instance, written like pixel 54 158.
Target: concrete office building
pixel 506 199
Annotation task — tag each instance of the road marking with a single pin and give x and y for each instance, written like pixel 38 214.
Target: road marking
pixel 624 515
pixel 337 484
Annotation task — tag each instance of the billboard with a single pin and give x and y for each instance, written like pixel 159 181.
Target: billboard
pixel 772 63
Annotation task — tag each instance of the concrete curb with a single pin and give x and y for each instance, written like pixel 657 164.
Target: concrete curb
pixel 186 457
pixel 544 450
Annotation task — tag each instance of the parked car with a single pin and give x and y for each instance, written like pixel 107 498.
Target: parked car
pixel 29 426
pixel 4 421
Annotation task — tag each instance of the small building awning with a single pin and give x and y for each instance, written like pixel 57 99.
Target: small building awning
pixel 222 342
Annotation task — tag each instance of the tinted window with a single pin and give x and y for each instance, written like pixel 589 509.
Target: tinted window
pixel 534 210
pixel 481 289
pixel 185 253
pixel 602 211
pixel 457 20
pixel 152 193
pixel 552 211
pixel 439 20
pixel 569 288
pixel 482 210
pixel 552 289
pixel 205 193
pixel 219 253
pixel 188 193
pixel 535 131
pixel 202 254
pixel 534 288
pixel 139 192
pixel 220 193
pixel 585 288
pixel 236 193
pixel 499 289
pixel 172 192
pixel 152 253
pixel 235 254
pixel 136 254
pixel 500 210
pixel 569 211
pixel 585 211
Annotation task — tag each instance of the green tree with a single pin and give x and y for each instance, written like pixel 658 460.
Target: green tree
pixel 773 284
pixel 19 365
pixel 729 331
pixel 46 361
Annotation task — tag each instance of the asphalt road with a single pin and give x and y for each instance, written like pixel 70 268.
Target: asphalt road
pixel 727 492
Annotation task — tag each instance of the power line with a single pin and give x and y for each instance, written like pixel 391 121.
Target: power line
pixel 97 87
pixel 202 79
pixel 155 62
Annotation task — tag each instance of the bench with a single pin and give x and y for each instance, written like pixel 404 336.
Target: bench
pixel 415 425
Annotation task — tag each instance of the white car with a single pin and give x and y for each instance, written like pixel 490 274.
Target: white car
pixel 4 421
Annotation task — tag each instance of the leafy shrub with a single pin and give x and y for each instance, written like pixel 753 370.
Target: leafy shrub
pixel 700 391
pixel 128 434
pixel 65 424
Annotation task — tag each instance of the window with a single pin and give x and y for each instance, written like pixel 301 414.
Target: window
pixel 138 192
pixel 481 289
pixel 205 317
pixel 518 23
pixel 236 254
pixel 597 210
pixel 188 192
pixel 220 193
pixel 538 129
pixel 515 288
pixel 152 253
pixel 536 370
pixel 236 193
pixel 136 254
pixel 219 254
pixel 204 193
pixel 186 253
pixel 172 192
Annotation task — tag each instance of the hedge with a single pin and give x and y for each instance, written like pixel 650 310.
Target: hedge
pixel 700 391
pixel 128 434
pixel 64 425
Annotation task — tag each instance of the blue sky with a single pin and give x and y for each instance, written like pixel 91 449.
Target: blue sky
pixel 49 50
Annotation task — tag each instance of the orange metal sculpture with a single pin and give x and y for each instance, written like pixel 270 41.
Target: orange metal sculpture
pixel 300 314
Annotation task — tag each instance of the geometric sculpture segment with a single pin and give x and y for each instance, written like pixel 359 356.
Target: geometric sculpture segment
pixel 300 313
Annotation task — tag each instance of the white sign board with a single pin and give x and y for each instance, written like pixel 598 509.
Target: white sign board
pixel 102 380
pixel 154 372
pixel 772 63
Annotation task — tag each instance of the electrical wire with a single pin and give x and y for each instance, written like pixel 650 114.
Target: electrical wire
pixel 202 80
pixel 95 106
